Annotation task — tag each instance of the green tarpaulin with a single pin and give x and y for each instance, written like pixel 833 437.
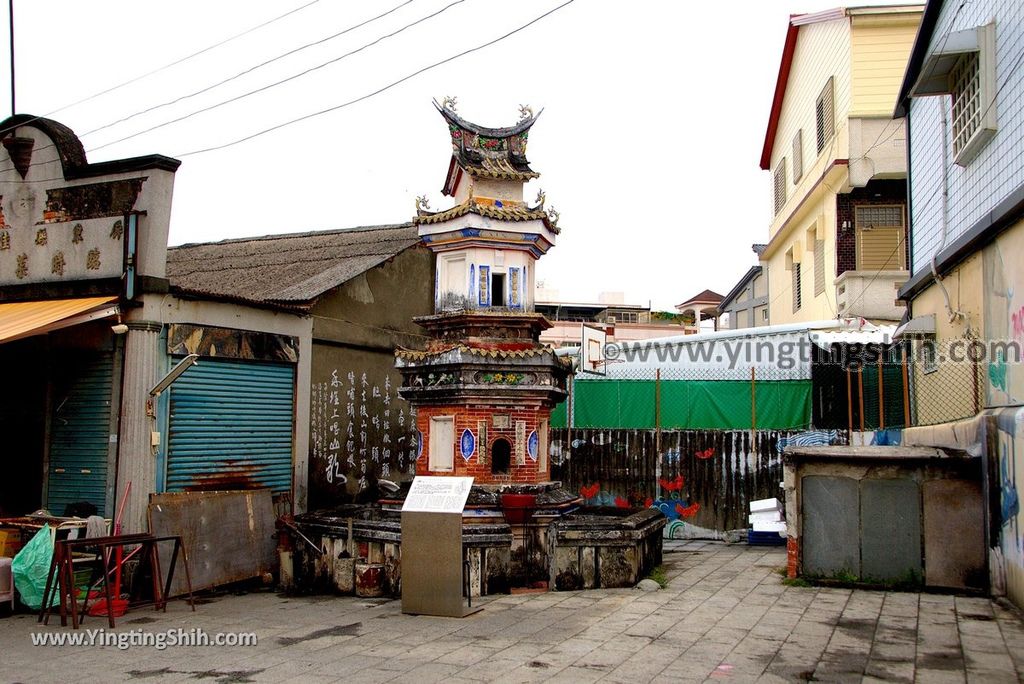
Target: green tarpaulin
pixel 688 404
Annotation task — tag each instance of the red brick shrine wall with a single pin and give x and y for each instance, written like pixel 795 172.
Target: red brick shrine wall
pixel 469 418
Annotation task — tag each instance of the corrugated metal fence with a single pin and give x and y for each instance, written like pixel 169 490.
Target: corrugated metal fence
pixel 699 478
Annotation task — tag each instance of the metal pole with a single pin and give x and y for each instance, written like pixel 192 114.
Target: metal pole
pixel 568 417
pixel 657 429
pixel 10 15
pixel 753 410
pixel 860 394
pixel 881 397
pixel 906 393
pixel 657 412
pixel 977 388
pixel 849 400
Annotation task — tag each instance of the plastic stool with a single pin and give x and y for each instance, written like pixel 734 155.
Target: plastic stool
pixel 6 581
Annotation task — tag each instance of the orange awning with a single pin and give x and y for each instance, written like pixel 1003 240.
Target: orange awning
pixel 25 319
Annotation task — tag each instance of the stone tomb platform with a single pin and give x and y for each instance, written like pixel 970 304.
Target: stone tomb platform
pixel 532 535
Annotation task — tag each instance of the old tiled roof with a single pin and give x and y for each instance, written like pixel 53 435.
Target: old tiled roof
pixel 492 153
pixel 511 211
pixel 457 121
pixel 413 355
pixel 705 297
pixel 498 168
pixel 291 269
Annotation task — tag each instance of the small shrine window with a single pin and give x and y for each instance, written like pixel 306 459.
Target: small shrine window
pixel 501 456
pixel 498 289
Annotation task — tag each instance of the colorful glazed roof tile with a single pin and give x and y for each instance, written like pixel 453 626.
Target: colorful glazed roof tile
pixel 494 153
pixel 413 355
pixel 500 168
pixel 495 209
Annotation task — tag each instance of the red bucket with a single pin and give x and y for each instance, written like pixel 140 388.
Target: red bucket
pixel 118 607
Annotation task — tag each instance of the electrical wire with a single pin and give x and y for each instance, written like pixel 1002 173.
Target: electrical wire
pixel 251 69
pixel 379 90
pixel 277 83
pixel 252 92
pixel 169 65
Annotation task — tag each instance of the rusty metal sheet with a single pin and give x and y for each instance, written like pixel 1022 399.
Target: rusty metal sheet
pixel 228 536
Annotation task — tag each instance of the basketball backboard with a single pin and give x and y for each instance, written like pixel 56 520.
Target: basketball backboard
pixel 592 350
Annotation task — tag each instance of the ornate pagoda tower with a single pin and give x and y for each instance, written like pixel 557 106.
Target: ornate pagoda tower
pixel 484 387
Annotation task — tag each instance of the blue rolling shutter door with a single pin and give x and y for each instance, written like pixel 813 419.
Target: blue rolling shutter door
pixel 80 432
pixel 231 426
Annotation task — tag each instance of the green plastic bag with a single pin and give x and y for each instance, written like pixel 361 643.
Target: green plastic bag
pixel 31 565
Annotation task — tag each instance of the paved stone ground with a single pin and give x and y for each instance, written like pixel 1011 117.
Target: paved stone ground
pixel 725 616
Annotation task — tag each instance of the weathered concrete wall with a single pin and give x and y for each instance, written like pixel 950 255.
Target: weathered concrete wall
pixel 360 430
pixel 886 514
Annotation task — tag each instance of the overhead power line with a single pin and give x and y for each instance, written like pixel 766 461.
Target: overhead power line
pixel 251 69
pixel 171 64
pixel 287 79
pixel 356 100
pixel 379 90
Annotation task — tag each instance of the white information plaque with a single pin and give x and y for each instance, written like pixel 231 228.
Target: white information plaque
pixel 434 494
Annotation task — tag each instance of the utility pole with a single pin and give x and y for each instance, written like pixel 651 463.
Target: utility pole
pixel 10 14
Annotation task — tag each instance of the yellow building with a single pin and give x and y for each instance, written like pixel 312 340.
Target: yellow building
pixel 837 240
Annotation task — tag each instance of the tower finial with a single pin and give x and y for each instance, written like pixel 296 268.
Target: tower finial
pixel 553 216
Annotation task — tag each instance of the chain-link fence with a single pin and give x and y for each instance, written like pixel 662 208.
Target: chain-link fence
pixel 848 387
pixel 897 387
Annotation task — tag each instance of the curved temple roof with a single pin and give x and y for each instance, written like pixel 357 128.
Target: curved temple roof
pixel 507 132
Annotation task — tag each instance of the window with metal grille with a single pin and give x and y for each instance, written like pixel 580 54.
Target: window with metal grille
pixel 963 66
pixel 967 104
pixel 819 267
pixel 797 300
pixel 824 115
pixel 780 185
pixel 798 156
pixel 880 235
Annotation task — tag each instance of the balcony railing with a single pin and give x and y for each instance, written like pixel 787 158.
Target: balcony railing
pixel 870 294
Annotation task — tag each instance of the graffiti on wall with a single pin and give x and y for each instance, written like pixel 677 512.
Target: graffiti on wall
pixel 701 480
pixel 1004 316
pixel 1011 537
pixel 360 432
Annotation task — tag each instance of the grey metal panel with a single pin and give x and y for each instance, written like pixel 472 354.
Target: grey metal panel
pixel 80 431
pixel 890 530
pixel 954 534
pixel 830 525
pixel 432 574
pixel 228 536
pixel 231 426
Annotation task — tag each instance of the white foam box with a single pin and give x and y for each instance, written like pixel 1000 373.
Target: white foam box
pixel 765 516
pixel 776 526
pixel 765 505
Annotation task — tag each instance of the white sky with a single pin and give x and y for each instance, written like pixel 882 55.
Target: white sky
pixel 655 113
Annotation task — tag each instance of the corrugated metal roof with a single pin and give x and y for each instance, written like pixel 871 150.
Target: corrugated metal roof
pixel 24 319
pixel 289 269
